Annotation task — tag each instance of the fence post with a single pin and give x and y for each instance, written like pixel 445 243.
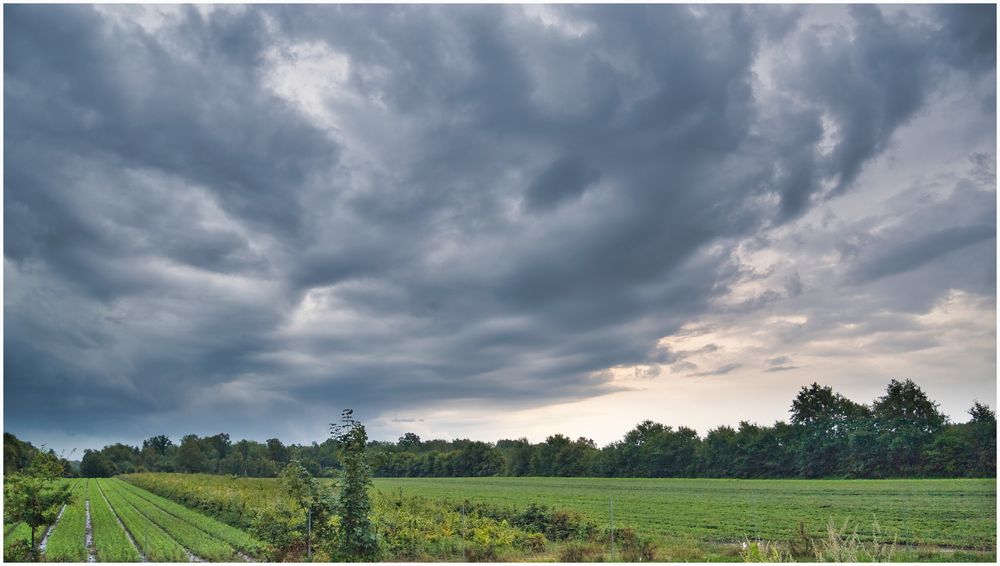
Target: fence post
pixel 309 532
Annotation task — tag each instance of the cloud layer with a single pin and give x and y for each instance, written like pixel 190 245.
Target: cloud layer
pixel 250 217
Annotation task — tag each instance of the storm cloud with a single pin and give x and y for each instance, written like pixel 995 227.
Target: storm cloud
pixel 251 217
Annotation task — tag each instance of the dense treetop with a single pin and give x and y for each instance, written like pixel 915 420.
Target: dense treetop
pixel 901 434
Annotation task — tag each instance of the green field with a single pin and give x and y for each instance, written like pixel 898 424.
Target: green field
pixel 425 519
pixel 942 513
pixel 129 524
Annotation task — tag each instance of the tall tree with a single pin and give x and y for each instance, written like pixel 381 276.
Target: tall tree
pixel 191 457
pixel 906 421
pixel 821 418
pixel 158 444
pixel 96 465
pixel 984 440
pixel 356 539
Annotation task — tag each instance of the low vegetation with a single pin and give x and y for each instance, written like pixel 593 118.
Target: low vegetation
pixel 66 541
pixel 235 538
pixel 936 513
pixel 154 543
pixel 111 543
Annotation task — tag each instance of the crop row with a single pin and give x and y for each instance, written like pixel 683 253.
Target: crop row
pixel 409 529
pixel 111 543
pixel 236 538
pixel 153 541
pixel 191 537
pixel 67 541
pixel 129 524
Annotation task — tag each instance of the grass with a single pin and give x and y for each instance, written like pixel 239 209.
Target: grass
pixel 937 513
pixel 111 544
pixel 67 541
pixel 157 545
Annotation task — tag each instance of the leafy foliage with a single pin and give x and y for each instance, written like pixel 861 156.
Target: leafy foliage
pixel 315 500
pixel 901 434
pixel 355 539
pixel 34 496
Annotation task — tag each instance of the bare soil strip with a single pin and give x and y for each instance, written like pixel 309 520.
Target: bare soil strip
pixel 89 534
pixel 142 555
pixel 45 539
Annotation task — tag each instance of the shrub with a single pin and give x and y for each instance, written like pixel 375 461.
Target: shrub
pixel 530 542
pixel 581 552
pixel 845 545
pixel 17 551
pixel 274 526
pixel 630 546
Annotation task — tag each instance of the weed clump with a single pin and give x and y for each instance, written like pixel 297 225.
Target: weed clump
pixel 577 551
pixel 763 551
pixel 845 545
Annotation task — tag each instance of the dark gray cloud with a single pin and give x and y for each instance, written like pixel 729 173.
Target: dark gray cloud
pixel 971 34
pixel 282 210
pixel 921 251
pixel 565 178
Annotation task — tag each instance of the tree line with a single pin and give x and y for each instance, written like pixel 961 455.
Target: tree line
pixel 900 434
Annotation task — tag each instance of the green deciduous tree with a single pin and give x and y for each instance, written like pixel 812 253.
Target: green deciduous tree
pixel 96 465
pixel 191 457
pixel 822 419
pixel 906 421
pixel 34 496
pixel 356 539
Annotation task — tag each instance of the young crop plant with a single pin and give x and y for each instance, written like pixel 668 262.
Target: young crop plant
pixel 234 537
pixel 191 537
pixel 155 544
pixel 111 543
pixel 234 501
pixel 67 541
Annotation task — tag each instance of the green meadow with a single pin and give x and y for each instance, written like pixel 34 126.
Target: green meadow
pixel 951 513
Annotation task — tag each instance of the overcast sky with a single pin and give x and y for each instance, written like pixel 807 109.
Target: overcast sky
pixel 490 222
